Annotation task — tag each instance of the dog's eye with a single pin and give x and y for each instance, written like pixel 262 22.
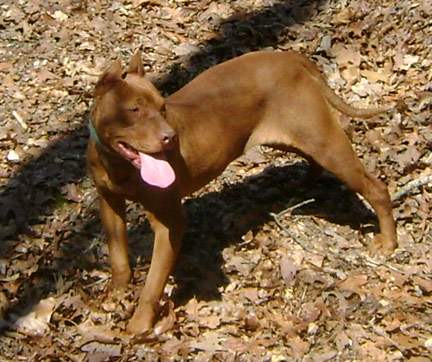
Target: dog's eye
pixel 133 109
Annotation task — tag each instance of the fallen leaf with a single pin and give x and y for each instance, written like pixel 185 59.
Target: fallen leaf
pixel 288 269
pixel 211 322
pixel 408 61
pixel 424 284
pixel 168 319
pixel 346 55
pixel 59 15
pixel 375 76
pixel 251 322
pixel 5 66
pixel 324 356
pixel 185 49
pixel 408 157
pixel 72 192
pixel 209 342
pixel 342 341
pixel 354 283
pixel 99 332
pixel 98 352
pixel 36 322
pixel 298 346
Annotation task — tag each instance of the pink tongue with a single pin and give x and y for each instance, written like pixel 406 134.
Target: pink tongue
pixel 156 172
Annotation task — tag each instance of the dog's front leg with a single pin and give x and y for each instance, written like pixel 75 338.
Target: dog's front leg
pixel 113 210
pixel 168 227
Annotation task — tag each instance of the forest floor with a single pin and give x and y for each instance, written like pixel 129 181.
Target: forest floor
pixel 269 271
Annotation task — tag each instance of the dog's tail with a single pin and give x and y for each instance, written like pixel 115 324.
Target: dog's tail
pixel 336 101
pixel 345 108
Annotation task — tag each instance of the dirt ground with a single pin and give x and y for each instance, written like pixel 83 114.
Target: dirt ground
pixel 269 270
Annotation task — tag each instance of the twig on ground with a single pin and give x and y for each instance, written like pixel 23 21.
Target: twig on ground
pixel 292 208
pixel 20 120
pixel 411 186
pixel 372 263
pixel 287 233
pixel 96 282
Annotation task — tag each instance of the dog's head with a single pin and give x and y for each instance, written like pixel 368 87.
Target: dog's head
pixel 128 115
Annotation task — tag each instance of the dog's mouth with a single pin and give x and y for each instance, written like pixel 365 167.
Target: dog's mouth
pixel 129 153
pixel 154 167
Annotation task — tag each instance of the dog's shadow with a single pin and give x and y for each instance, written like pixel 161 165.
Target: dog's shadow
pixel 219 219
pixel 216 220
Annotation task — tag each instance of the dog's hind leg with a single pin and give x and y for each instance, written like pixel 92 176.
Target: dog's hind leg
pixel 332 151
pixel 305 123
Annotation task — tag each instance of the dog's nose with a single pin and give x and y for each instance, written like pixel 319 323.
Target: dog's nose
pixel 168 137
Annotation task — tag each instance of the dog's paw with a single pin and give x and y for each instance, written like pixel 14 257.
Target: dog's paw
pixel 382 246
pixel 143 319
pixel 120 280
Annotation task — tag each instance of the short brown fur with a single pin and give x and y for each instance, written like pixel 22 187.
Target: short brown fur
pixel 263 98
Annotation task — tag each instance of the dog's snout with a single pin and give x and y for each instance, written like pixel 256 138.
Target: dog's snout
pixel 168 137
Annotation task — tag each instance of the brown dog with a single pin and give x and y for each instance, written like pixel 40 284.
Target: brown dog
pixel 155 151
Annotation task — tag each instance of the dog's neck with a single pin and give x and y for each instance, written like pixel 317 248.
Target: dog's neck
pixel 95 137
pixel 93 134
pixel 107 155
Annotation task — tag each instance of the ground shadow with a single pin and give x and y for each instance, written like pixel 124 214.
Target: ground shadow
pixel 215 221
pixel 219 219
pixel 31 194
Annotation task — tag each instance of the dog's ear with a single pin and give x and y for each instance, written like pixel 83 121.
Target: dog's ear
pixel 136 65
pixel 111 76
